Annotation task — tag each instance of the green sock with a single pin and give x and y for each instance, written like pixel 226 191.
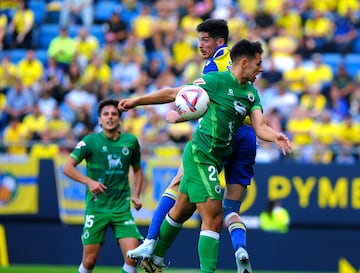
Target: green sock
pixel 208 248
pixel 168 232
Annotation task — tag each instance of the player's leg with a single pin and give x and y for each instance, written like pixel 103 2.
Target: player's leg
pixel 92 238
pixel 238 174
pixel 128 237
pixel 166 202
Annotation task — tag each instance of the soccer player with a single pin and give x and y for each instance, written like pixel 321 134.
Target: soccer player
pixel 213 38
pixel 109 156
pixel 233 97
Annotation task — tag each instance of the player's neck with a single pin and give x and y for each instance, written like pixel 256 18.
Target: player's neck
pixel 113 135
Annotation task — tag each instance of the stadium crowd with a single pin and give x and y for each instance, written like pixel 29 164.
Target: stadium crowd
pixel 146 45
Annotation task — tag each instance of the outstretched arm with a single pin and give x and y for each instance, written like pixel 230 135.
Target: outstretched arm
pixel 266 133
pixel 161 96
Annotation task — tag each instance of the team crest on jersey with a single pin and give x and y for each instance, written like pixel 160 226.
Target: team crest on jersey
pixel 104 149
pixel 199 81
pixel 125 151
pixel 251 97
pixel 80 144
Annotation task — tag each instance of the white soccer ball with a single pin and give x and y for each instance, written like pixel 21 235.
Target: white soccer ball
pixel 192 102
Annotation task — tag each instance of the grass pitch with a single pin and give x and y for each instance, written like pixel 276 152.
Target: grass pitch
pixel 106 269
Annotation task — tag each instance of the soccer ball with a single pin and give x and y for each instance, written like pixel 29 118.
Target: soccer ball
pixel 192 102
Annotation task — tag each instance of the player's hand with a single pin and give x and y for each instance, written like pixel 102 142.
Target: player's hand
pixel 172 116
pixel 96 188
pixel 136 202
pixel 126 104
pixel 284 143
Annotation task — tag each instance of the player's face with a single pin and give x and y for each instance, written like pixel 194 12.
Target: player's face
pixel 253 68
pixel 207 45
pixel 109 118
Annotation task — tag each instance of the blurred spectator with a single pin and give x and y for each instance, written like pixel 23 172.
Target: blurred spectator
pixel 82 124
pixel 62 48
pixel 142 28
pixel 72 79
pixel 53 79
pixel 181 54
pixel 313 101
pixel 267 152
pixel 79 97
pixel 325 131
pixel 155 130
pixel 117 27
pixel 134 48
pixel 337 104
pixel 300 126
pixel 165 26
pixel 264 25
pixel 273 7
pixel 238 26
pixel 45 148
pixel 86 45
pixel 344 35
pixel 289 18
pixel 271 72
pixel 267 93
pixel 349 132
pixel 128 73
pixel 35 123
pixel 134 122
pixel 57 126
pixel 110 52
pixel 204 8
pixel 116 92
pixel 282 47
pixel 344 81
pixel 8 71
pixel 73 10
pixel 193 69
pixel 15 137
pixel 3 30
pixel 19 101
pixel 355 104
pixel 295 77
pixel 274 218
pixel 22 26
pixel 284 101
pixel 30 70
pixel 319 72
pixel 2 113
pixel 318 28
pixel 187 23
pixel 46 102
pixel 97 74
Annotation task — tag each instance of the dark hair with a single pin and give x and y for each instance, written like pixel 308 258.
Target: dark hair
pixel 107 102
pixel 245 48
pixel 217 28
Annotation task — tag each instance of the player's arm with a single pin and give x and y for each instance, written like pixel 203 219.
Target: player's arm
pixel 266 133
pixel 137 185
pixel 72 172
pixel 161 96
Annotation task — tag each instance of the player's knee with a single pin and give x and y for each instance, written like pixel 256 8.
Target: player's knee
pixel 230 208
pixel 89 262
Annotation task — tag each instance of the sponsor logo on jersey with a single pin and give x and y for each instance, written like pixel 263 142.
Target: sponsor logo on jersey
pixel 230 92
pixel 114 161
pixel 199 81
pixel 80 144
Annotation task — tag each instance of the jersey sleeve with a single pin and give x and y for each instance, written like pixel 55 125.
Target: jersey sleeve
pixel 208 82
pixel 81 150
pixel 136 158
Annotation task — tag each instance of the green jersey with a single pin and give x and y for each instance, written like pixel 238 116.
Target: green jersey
pixel 108 162
pixel 230 103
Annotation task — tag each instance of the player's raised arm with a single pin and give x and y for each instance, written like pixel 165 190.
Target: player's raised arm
pixel 161 96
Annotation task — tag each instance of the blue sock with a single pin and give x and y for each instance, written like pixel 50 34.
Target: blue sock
pixel 167 201
pixel 237 232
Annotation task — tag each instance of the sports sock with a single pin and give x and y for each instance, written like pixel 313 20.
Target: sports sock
pixel 237 232
pixel 166 202
pixel 169 229
pixel 208 248
pixel 128 269
pixel 82 269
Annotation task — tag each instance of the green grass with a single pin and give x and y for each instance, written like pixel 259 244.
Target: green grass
pixel 105 269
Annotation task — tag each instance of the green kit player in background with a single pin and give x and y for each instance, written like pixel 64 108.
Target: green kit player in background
pixel 109 156
pixel 233 97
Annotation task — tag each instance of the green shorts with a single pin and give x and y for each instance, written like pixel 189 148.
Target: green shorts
pixel 95 226
pixel 201 175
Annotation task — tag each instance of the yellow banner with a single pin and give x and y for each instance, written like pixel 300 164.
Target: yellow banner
pixel 18 185
pixel 158 174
